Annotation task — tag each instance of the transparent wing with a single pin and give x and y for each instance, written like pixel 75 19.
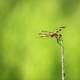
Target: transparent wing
pixel 44 34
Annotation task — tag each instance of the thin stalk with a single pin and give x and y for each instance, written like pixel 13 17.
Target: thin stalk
pixel 62 60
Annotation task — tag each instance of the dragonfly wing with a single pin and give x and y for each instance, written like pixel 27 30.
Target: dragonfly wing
pixel 44 34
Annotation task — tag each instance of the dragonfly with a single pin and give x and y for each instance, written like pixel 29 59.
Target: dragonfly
pixel 57 34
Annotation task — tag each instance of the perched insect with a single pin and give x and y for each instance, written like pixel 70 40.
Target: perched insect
pixel 55 34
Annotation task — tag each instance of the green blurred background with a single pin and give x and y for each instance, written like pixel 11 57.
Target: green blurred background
pixel 26 56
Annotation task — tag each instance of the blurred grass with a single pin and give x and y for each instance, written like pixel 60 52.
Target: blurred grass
pixel 26 56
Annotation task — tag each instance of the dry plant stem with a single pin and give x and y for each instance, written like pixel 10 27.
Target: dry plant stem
pixel 62 60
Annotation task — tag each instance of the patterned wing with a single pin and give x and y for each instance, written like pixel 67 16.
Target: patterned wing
pixel 60 29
